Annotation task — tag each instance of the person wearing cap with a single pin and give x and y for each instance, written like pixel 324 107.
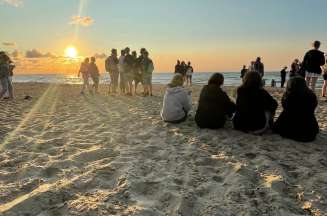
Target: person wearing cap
pixel 312 62
pixel 148 68
pixel 129 71
pixel 111 65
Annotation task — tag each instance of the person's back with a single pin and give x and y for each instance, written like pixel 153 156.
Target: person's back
pixel 93 70
pixel 259 67
pixel 253 103
pixel 214 105
pixel 177 101
pixel 112 64
pixel 313 61
pixel 298 121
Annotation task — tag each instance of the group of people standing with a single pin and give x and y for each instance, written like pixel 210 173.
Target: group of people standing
pixel 126 72
pixel 255 66
pixel 252 112
pixel 186 70
pixel 6 73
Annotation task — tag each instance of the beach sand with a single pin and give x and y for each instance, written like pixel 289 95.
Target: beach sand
pixel 66 154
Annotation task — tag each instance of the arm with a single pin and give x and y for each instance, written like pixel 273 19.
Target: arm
pixel 231 106
pixel 187 101
pixel 270 103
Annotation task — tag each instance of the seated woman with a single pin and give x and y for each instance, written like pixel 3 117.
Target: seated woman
pixel 298 121
pixel 214 104
pixel 177 101
pixel 255 107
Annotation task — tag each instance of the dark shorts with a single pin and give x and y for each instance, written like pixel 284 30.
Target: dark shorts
pixel 324 76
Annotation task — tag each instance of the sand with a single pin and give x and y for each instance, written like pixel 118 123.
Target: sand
pixel 66 154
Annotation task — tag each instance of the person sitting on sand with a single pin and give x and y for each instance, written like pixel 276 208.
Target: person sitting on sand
pixel 214 104
pixel 177 101
pixel 84 71
pixel 255 107
pixel 5 77
pixel 298 121
pixel 95 74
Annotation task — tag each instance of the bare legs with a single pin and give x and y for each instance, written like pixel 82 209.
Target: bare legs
pixel 311 82
pixel 324 89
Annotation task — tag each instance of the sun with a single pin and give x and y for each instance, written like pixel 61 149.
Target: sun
pixel 71 52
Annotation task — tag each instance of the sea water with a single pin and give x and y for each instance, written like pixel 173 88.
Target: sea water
pixel 201 78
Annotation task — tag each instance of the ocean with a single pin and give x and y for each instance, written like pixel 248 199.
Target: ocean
pixel 231 78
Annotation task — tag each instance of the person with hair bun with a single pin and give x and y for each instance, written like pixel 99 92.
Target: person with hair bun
pixel 214 104
pixel 177 101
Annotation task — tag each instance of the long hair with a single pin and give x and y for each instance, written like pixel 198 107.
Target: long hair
pixel 216 79
pixel 252 80
pixel 176 81
pixel 296 86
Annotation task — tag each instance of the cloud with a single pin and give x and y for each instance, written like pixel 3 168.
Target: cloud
pixel 16 54
pixel 9 44
pixel 34 53
pixel 14 3
pixel 82 21
pixel 100 55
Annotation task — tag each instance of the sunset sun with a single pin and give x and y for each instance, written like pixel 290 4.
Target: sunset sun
pixel 71 52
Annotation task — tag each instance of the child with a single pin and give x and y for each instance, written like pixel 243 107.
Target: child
pixel 255 107
pixel 298 121
pixel 177 101
pixel 214 104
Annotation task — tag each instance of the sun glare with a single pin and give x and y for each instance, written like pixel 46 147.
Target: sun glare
pixel 71 52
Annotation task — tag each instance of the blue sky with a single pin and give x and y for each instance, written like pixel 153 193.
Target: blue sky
pixel 217 35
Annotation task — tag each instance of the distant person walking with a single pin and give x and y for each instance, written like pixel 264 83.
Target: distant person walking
pixel 177 101
pixel 324 88
pixel 283 73
pixel 298 121
pixel 295 67
pixel 259 67
pixel 189 74
pixel 95 75
pixel 183 69
pixel 121 68
pixel 243 72
pixel 84 71
pixel 111 65
pixel 148 68
pixel 312 62
pixel 5 77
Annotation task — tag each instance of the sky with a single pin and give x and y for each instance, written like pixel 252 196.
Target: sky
pixel 215 35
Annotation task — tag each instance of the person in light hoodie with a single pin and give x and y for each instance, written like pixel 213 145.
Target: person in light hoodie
pixel 177 101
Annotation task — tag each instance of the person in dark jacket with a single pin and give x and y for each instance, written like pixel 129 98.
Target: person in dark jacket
pixel 243 72
pixel 312 62
pixel 298 121
pixel 255 107
pixel 178 68
pixel 214 104
pixel 283 73
pixel 259 67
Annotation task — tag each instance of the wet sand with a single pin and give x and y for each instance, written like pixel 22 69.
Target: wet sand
pixel 66 154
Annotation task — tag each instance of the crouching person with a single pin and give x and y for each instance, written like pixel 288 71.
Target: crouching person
pixel 177 101
pixel 214 105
